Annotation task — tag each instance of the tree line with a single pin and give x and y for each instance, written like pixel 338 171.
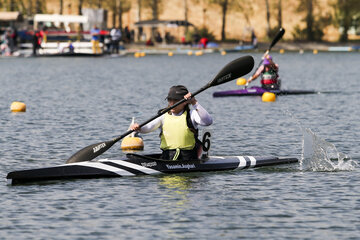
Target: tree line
pixel 346 13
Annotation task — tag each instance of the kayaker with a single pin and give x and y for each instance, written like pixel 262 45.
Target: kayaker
pixel 269 74
pixel 179 126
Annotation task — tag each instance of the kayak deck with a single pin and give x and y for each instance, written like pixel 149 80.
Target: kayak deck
pixel 258 91
pixel 140 165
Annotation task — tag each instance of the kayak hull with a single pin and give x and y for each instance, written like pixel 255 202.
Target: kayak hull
pixel 69 54
pixel 258 91
pixel 135 164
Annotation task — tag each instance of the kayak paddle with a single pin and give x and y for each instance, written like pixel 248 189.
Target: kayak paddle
pixel 235 69
pixel 278 36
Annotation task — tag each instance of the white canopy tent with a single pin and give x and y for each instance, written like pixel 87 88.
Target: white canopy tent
pixel 58 19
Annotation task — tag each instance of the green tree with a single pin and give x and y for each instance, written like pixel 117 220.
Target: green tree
pixel 40 6
pixel 314 23
pixel 279 14
pixel 155 6
pixel 61 5
pixel 29 11
pixel 186 15
pixel 345 12
pixel 139 9
pixel 79 7
pixel 117 8
pixel 226 5
pixel 268 26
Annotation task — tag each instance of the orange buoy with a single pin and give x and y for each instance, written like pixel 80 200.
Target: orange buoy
pixel 268 97
pixel 18 107
pixel 241 81
pixel 132 141
pixel 199 53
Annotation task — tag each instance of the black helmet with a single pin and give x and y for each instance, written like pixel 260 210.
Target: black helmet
pixel 177 92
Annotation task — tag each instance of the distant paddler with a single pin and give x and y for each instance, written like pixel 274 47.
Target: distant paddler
pixel 179 126
pixel 269 74
pixel 268 69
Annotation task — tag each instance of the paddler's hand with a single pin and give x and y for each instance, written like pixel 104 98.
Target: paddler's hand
pixel 135 127
pixel 191 100
pixel 265 55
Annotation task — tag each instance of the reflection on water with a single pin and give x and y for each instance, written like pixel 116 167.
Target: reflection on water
pixel 178 188
pixel 320 155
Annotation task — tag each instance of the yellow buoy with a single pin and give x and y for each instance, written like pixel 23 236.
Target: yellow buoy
pixel 268 97
pixel 170 54
pixel 137 55
pixel 18 107
pixel 199 53
pixel 282 51
pixel 315 51
pixel 189 53
pixel 132 143
pixel 241 81
pixel 223 53
pixel 142 54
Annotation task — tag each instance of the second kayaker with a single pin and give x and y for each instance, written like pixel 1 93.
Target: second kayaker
pixel 179 126
pixel 269 74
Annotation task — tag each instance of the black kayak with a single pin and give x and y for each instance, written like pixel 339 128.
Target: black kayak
pixel 134 164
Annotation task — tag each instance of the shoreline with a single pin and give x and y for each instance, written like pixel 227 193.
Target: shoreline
pixel 140 49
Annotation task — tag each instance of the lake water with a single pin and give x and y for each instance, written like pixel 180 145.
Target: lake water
pixel 75 102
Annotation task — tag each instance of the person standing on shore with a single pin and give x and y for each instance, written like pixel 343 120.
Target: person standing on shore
pixel 115 34
pixel 37 39
pixel 95 39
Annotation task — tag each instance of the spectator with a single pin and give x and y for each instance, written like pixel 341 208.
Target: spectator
pixel 203 42
pixel 115 34
pixel 95 39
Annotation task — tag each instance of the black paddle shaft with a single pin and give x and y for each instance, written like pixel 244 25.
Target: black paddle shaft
pixel 278 36
pixel 232 70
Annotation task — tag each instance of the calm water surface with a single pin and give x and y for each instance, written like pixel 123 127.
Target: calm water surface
pixel 74 102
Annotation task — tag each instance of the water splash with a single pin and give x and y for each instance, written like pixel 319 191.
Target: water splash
pixel 320 155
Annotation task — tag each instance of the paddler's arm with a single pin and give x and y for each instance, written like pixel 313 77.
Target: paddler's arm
pixel 256 75
pixel 199 116
pixel 151 126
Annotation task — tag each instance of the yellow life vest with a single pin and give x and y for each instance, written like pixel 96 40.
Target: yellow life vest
pixel 176 134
